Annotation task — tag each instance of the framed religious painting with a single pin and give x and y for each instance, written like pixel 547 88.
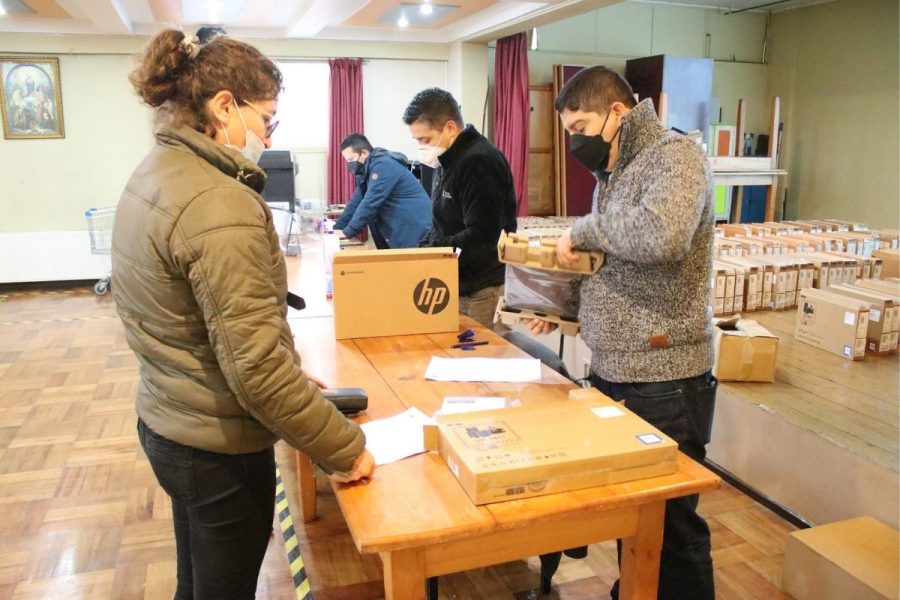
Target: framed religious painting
pixel 31 98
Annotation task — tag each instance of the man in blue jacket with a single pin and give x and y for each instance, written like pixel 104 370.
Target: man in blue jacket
pixel 388 198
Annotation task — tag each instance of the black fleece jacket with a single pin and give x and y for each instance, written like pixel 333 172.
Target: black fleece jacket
pixel 472 202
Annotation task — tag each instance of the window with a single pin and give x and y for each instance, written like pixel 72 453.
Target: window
pixel 303 106
pixel 303 112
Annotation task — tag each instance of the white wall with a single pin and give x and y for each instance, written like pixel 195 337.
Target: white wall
pixel 389 86
pixel 48 184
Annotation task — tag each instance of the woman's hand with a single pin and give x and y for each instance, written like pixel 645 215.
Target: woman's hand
pixel 317 381
pixel 363 468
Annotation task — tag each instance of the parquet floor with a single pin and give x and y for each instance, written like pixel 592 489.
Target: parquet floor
pixel 81 515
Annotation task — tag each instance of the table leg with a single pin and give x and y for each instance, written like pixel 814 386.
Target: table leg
pixel 306 483
pixel 639 569
pixel 404 574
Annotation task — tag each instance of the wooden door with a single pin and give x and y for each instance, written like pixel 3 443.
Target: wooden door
pixel 574 182
pixel 541 174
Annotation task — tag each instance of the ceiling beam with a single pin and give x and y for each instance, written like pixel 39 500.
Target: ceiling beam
pixel 321 14
pixel 542 16
pixel 108 16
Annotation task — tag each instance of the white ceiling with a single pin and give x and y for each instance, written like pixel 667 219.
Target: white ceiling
pixel 362 20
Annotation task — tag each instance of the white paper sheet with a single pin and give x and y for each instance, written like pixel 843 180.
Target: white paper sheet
pixel 396 437
pixel 513 370
pixel 463 404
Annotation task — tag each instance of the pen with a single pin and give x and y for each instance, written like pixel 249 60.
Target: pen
pixel 469 344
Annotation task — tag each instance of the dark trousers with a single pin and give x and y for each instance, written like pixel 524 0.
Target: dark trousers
pixel 683 410
pixel 223 506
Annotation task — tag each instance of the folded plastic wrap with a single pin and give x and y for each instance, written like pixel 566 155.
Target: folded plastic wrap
pixel 542 291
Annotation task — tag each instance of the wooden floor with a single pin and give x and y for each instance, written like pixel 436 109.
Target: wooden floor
pixel 81 515
pixel 854 404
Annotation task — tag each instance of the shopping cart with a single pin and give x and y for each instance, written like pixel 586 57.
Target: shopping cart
pixel 100 226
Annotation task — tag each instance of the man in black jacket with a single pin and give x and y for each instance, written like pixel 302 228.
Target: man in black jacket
pixel 472 197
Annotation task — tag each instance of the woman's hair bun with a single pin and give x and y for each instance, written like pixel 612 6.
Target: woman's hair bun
pixel 163 62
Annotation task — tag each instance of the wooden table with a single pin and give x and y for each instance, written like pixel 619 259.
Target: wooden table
pixel 414 514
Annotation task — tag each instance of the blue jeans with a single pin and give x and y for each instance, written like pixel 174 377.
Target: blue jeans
pixel 683 410
pixel 223 506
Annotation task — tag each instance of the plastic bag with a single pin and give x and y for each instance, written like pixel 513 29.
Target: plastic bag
pixel 550 292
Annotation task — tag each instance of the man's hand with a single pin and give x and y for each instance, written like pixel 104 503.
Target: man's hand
pixel 564 253
pixel 340 234
pixel 540 326
pixel 363 468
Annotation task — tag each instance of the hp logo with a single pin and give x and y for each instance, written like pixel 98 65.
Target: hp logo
pixel 431 296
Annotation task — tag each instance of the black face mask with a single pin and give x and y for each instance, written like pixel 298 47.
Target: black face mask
pixel 356 168
pixel 592 150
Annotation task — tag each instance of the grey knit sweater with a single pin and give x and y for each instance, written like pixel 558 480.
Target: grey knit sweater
pixel 644 314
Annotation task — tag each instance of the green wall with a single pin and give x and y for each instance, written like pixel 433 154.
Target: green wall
pixel 836 67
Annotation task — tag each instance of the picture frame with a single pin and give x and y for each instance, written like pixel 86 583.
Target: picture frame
pixel 31 98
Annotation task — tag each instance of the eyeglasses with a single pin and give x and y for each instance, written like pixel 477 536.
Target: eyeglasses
pixel 270 127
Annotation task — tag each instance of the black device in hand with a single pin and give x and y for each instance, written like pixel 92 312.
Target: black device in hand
pixel 350 401
pixel 295 301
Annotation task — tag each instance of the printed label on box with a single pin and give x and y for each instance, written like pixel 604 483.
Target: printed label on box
pixel 607 412
pixel 848 351
pixel 875 315
pixel 454 468
pixel 808 313
pixel 649 438
pixel 849 318
pixel 485 435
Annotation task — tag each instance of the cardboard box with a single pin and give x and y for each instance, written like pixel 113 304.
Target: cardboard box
pixel 784 228
pixel 833 322
pixel 891 262
pixel 745 351
pixel 830 269
pixel 882 316
pixel 861 243
pixel 829 226
pixel 855 559
pixel 537 249
pixel 804 226
pixel 885 286
pixel 515 316
pixel 395 292
pixel 763 281
pixel 867 267
pixel 851 225
pixel 521 452
pixel 748 283
pixel 800 244
pixel 889 239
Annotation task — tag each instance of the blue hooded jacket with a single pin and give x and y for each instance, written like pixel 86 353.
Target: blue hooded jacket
pixel 390 200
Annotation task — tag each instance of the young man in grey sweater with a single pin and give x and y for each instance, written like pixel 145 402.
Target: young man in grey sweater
pixel 644 314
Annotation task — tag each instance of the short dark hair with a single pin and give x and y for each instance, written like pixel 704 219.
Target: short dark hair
pixel 207 34
pixel 594 89
pixel 358 142
pixel 433 107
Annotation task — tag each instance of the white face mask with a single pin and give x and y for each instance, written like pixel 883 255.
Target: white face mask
pixel 253 146
pixel 428 154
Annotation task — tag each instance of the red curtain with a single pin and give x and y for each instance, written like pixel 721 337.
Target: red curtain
pixel 345 100
pixel 512 110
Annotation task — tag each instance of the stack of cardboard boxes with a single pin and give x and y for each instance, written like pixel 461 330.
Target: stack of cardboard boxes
pixel 781 265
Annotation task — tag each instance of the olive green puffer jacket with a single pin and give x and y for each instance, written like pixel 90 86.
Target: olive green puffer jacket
pixel 200 285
